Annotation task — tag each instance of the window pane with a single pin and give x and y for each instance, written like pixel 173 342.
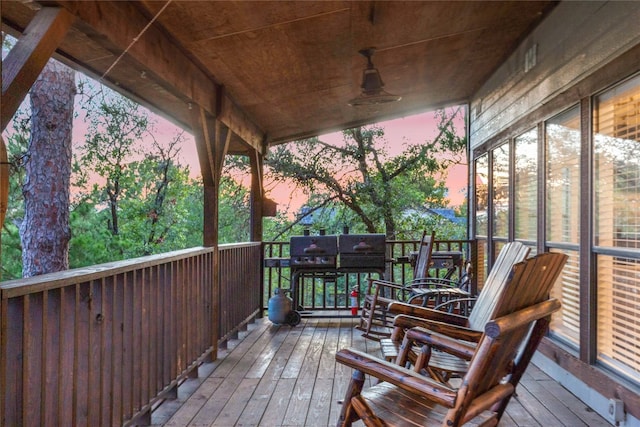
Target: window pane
pixel 619 314
pixel 617 166
pixel 482 194
pixel 482 267
pixel 562 137
pixel 526 186
pixel 501 191
pixel 617 225
pixel 565 323
pixel 562 134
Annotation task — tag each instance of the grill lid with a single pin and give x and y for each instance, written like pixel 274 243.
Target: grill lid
pixel 361 244
pixel 313 245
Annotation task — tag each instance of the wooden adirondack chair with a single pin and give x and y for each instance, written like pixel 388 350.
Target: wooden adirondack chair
pixel 484 307
pixel 404 397
pixel 374 321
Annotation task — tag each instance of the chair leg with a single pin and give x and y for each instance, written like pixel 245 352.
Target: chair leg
pixel 347 414
pixel 373 302
pixel 366 414
pixel 537 333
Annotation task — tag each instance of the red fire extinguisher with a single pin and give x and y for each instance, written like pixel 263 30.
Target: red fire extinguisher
pixel 354 302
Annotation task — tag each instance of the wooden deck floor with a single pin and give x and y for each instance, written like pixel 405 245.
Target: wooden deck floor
pixel 282 376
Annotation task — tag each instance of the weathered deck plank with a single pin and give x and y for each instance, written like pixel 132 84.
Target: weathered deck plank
pixel 283 376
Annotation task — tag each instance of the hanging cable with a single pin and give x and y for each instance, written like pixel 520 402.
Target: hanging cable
pixel 135 39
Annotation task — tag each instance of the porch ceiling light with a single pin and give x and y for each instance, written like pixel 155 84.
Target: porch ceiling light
pixel 372 86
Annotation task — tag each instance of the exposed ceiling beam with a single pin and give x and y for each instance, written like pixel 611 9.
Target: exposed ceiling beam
pixel 25 61
pixel 125 26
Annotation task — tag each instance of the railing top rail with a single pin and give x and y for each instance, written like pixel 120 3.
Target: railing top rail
pixel 286 242
pixel 36 284
pixel 238 245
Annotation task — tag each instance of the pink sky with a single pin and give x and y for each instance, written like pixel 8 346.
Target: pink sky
pixel 399 132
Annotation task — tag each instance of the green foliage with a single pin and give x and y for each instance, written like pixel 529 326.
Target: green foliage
pixel 116 126
pixel 233 212
pixel 11 251
pixel 159 206
pixel 160 213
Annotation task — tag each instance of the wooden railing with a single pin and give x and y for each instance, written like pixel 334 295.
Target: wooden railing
pixel 240 287
pixel 332 293
pixel 101 345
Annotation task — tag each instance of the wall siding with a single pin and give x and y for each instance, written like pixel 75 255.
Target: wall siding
pixel 576 39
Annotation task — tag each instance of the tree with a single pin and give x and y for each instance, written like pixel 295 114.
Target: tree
pixel 158 209
pixel 360 176
pixel 116 124
pixel 233 211
pixel 45 229
pixel 153 208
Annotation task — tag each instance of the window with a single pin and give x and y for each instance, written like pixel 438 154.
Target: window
pixel 526 189
pixel 500 183
pixel 562 152
pixel 616 170
pixel 481 215
pixel 562 135
pixel 482 195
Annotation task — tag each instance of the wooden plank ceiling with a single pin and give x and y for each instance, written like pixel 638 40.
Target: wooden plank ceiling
pixel 283 70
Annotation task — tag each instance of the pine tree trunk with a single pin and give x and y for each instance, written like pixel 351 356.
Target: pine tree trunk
pixel 45 232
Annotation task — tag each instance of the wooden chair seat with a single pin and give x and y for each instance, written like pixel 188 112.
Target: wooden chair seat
pixel 398 407
pixel 442 366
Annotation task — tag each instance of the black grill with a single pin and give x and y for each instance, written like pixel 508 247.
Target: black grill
pixel 352 252
pixel 312 252
pixel 328 257
pixel 364 252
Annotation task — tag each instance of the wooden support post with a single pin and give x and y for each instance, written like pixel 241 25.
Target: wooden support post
pixel 257 196
pixel 4 181
pixel 25 61
pixel 257 211
pixel 212 142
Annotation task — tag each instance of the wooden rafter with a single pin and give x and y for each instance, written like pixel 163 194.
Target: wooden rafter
pixel 201 130
pixel 28 57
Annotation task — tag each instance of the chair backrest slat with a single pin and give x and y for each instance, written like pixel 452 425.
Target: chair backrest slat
pixel 423 260
pixel 484 308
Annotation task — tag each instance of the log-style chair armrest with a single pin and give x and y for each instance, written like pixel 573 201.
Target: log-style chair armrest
pixel 461 305
pixel 432 283
pixel 397 375
pixel 506 323
pixel 386 283
pixel 454 331
pixel 390 290
pixel 446 343
pixel 427 313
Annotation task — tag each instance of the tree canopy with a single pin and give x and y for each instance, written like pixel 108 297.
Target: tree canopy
pixel 360 184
